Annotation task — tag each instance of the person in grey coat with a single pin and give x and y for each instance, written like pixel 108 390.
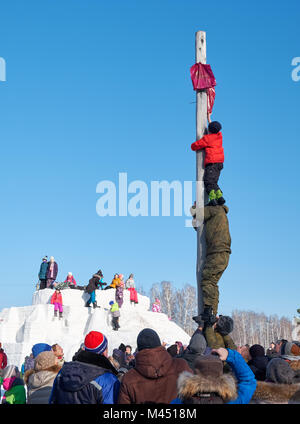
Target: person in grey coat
pixel 40 380
pixel 196 348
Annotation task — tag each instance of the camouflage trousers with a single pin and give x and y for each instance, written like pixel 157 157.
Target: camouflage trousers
pixel 215 265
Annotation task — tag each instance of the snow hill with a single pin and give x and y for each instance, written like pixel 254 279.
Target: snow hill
pixel 22 327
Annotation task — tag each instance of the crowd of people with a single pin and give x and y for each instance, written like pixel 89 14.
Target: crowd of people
pixel 211 369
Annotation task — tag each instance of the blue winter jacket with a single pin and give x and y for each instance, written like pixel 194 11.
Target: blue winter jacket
pixel 43 271
pixel 89 379
pixel 245 379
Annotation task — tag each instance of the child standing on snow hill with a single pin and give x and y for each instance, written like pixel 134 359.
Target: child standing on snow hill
pixel 156 306
pixel 130 282
pixel 120 291
pixel 56 300
pixel 114 310
pixel 214 159
pixel 70 280
pixel 94 283
pixel 114 282
pixel 131 287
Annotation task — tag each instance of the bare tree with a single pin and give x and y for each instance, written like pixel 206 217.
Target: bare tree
pixel 256 328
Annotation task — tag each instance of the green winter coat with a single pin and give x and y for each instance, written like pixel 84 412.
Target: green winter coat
pixel 115 310
pixel 15 395
pixel 215 340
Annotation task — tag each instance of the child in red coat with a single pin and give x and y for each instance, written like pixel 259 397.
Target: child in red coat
pixel 56 300
pixel 214 159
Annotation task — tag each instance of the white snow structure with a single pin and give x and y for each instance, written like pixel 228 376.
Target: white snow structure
pixel 22 327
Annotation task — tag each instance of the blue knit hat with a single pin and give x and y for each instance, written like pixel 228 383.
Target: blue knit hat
pixel 111 302
pixel 40 347
pixel 95 342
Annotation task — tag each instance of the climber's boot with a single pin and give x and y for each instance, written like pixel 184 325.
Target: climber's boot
pixel 219 197
pixel 95 305
pixel 212 198
pixel 60 315
pixel 208 316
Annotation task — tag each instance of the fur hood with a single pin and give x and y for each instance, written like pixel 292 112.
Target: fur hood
pixel 276 393
pixel 295 365
pixel 53 370
pixel 189 384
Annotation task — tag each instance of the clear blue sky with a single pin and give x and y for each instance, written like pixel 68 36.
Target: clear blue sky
pixel 95 88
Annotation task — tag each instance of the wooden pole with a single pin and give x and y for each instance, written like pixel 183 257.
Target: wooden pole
pixel 201 196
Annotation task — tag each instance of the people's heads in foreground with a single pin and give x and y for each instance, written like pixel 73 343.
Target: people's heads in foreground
pixel 57 350
pixel 148 339
pixel 128 349
pixel 96 342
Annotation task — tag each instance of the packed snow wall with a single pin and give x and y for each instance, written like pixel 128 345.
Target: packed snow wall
pixel 22 327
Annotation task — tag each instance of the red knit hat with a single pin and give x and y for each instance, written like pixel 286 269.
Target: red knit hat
pixel 95 342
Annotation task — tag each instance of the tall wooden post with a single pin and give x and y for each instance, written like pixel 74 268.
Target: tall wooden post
pixel 201 196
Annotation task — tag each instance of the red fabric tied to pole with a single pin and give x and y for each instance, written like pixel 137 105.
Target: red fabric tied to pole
pixel 202 76
pixel 204 79
pixel 211 94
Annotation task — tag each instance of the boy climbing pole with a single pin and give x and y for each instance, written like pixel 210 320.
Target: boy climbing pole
pixel 214 159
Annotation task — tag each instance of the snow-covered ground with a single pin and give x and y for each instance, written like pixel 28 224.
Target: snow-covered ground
pixel 22 327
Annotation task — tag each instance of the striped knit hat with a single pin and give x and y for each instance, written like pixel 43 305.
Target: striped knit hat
pixel 95 342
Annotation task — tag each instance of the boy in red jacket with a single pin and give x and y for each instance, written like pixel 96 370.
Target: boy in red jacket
pixel 214 158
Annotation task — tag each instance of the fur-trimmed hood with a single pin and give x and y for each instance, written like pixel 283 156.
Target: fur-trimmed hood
pixel 189 384
pixel 39 377
pixel 276 393
pixel 295 365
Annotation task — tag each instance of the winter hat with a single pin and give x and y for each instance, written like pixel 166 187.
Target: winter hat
pixel 279 371
pixel 70 273
pixel 209 366
pixel 111 302
pixel 100 273
pixel 172 350
pixel 95 342
pixel 256 351
pixel 224 325
pixel 122 347
pixel 148 339
pixel 10 371
pixel 45 258
pixel 291 349
pixel 44 360
pixel 214 127
pixel 40 347
pixel 197 343
pixel 119 356
pixel 52 258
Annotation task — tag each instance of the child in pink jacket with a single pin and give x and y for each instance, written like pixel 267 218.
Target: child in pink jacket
pixel 56 300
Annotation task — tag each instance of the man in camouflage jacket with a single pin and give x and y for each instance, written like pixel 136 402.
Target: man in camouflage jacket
pixel 218 242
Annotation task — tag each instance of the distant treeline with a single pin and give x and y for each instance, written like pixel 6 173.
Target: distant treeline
pixel 249 327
